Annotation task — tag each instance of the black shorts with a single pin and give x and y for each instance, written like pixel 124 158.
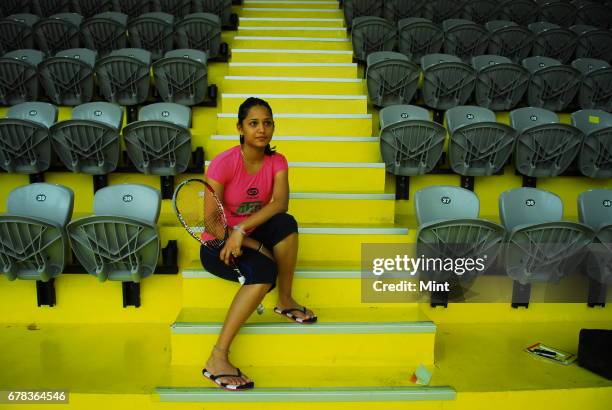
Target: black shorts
pixel 255 266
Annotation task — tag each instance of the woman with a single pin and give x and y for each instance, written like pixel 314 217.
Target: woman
pixel 252 182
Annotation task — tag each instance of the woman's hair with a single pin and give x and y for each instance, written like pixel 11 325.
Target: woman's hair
pixel 243 111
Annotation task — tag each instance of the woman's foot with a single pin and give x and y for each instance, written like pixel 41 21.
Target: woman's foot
pixel 218 364
pixel 298 313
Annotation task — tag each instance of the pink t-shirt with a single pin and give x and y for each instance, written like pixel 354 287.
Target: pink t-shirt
pixel 244 194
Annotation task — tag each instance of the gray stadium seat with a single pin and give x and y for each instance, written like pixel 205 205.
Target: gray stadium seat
pixel 464 38
pixel 595 157
pixel 510 40
pixel 25 146
pixel 593 42
pixel 68 77
pixel 544 147
pixel 89 141
pixel 553 85
pixel 105 32
pixel 16 32
pixel 182 76
pixel 221 8
pixel 410 143
pixel 500 83
pixel 360 8
pixel 19 76
pixel 553 41
pixel 124 76
pixel 121 240
pixel 45 8
pixel 152 32
pixel 9 7
pixel 595 210
pixel 391 78
pixel 396 10
pixel 479 11
pixel 370 34
pixel 159 143
pixel 58 32
pixel 135 8
pixel 594 14
pixel 521 12
pixel 33 240
pixel 447 81
pixel 558 12
pixel 478 144
pixel 596 89
pixel 541 247
pixel 449 227
pixel 89 8
pixel 177 8
pixel 441 10
pixel 200 31
pixel 418 37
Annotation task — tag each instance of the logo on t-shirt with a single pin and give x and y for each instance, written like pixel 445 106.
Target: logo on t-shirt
pixel 252 191
pixel 247 208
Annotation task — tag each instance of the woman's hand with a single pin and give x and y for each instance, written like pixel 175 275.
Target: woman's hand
pixel 232 248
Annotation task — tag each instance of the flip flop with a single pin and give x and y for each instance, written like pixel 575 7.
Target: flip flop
pixel 232 387
pixel 288 313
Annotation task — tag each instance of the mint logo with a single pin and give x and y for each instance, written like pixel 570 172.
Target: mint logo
pixel 41 197
pixel 128 198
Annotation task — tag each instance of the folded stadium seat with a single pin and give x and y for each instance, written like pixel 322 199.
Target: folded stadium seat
pixel 89 8
pixel 542 248
pixel 391 78
pixel 510 40
pixel 478 144
pixel 560 12
pixel 182 76
pixel 120 241
pixel 370 34
pixel 521 12
pixel 359 8
pixel 593 42
pixel 152 32
pixel 136 8
pixel 19 76
pixel 593 14
pixel 16 32
pixel 464 38
pixel 159 143
pixel 396 10
pixel 25 145
pixel 449 227
pixel 553 41
pixel 176 8
pixel 596 89
pixel 500 83
pixel 33 240
pixel 595 211
pixel 595 157
pixel 418 37
pixel 447 81
pixel 553 85
pixel 8 7
pixel 68 77
pixel 58 32
pixel 410 143
pixel 221 8
pixel 89 141
pixel 479 11
pixel 105 32
pixel 124 76
pixel 441 10
pixel 46 8
pixel 200 31
pixel 544 146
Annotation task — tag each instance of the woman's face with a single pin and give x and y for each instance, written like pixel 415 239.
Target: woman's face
pixel 257 127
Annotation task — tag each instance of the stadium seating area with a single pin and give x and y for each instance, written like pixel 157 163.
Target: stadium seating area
pixel 463 128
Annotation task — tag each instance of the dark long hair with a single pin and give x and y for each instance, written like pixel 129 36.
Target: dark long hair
pixel 243 111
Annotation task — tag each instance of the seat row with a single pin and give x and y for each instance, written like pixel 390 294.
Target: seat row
pixel 493 81
pixel 156 32
pixel 416 37
pixel 478 145
pixel 123 77
pixel 562 12
pixel 132 8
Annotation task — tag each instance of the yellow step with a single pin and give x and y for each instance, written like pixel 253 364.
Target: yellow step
pixel 264 55
pixel 337 339
pixel 284 69
pixel 291 21
pixel 294 31
pixel 279 12
pixel 336 125
pixel 293 4
pixel 302 103
pixel 298 85
pixel 292 42
pixel 299 148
